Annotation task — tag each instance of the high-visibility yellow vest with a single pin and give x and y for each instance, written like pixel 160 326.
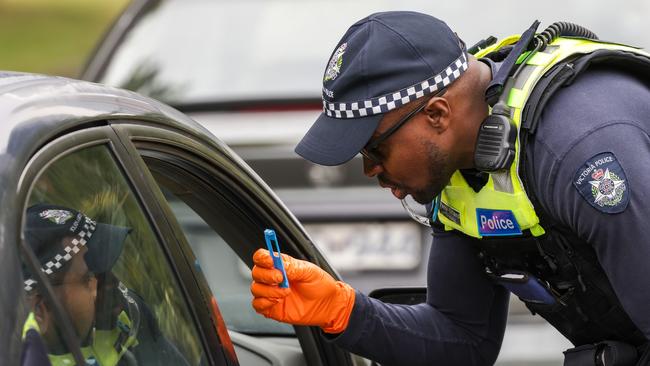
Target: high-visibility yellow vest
pixel 103 348
pixel 501 207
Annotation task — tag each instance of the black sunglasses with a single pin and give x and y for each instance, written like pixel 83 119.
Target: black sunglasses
pixel 370 150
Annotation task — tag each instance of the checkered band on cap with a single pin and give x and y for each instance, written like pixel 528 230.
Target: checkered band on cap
pixel 396 99
pixel 66 254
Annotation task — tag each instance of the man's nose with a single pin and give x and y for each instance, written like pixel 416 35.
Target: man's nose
pixel 371 168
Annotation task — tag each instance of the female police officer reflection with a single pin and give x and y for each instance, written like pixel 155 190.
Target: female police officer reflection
pixel 516 202
pixel 114 325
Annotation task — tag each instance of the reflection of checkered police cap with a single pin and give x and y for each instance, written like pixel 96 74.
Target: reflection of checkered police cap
pixel 47 225
pixel 383 62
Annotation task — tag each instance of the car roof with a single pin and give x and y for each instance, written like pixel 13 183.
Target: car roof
pixel 34 108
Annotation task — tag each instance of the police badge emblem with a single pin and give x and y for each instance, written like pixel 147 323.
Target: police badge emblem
pixel 334 67
pixel 56 216
pixel 602 182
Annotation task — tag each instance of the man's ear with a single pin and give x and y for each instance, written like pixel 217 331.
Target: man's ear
pixel 41 313
pixel 438 112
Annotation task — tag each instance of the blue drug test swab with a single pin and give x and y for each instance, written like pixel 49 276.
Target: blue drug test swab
pixel 269 236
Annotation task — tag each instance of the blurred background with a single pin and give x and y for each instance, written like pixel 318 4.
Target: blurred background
pixel 52 36
pixel 250 71
pixel 57 36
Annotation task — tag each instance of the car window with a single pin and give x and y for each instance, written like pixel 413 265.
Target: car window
pixel 106 266
pixel 219 244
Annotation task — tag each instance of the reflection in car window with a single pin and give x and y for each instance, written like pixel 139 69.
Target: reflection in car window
pixel 108 272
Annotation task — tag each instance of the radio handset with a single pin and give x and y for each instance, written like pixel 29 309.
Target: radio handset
pixel 495 144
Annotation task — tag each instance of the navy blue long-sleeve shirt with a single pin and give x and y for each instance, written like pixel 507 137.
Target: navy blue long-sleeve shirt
pixel 597 127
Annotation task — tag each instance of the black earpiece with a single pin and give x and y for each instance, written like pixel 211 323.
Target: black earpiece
pixel 495 145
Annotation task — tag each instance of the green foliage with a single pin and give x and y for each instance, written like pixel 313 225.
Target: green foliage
pixel 144 80
pixel 52 37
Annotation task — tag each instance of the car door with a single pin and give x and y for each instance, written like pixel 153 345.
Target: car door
pixel 144 306
pixel 220 208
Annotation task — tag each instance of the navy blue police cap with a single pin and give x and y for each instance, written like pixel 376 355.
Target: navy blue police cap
pixel 47 225
pixel 382 62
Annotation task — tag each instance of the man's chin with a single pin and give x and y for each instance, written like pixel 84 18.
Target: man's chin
pixel 426 197
pixel 423 199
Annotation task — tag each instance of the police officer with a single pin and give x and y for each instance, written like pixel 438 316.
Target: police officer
pixel 71 249
pixel 112 323
pixel 531 156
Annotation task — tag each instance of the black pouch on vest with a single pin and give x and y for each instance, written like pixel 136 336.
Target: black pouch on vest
pixel 644 355
pixel 607 353
pixel 581 356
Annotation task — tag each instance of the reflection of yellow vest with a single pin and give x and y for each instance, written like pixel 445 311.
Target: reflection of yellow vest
pixel 501 207
pixel 103 348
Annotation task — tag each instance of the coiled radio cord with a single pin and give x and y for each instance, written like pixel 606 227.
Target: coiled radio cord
pixel 564 29
pixel 552 32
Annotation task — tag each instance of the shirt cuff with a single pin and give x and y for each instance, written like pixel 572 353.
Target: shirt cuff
pixel 357 324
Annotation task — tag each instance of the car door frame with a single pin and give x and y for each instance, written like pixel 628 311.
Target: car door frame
pixel 99 133
pixel 207 149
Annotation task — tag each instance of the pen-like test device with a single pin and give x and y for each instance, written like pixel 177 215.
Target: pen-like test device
pixel 274 250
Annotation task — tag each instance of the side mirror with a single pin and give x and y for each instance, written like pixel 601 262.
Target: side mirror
pixel 400 295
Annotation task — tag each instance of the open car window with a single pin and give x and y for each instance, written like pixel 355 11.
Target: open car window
pixel 106 266
pixel 221 229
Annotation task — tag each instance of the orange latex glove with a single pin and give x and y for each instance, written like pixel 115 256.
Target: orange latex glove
pixel 313 296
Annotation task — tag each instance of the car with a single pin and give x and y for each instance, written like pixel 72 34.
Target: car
pixel 73 154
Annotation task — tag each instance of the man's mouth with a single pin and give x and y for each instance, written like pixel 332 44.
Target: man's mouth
pixel 398 193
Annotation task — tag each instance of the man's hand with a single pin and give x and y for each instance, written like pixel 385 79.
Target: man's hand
pixel 313 296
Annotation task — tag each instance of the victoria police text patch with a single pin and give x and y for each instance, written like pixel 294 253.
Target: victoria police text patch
pixel 602 182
